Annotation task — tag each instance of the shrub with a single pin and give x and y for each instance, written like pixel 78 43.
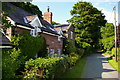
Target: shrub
pixel 49 67
pixel 11 61
pixel 41 67
pixel 30 45
pixel 73 58
pixel 68 47
pixel 113 51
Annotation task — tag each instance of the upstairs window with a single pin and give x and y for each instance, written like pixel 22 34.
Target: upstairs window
pixel 59 38
pixel 25 20
pixel 71 35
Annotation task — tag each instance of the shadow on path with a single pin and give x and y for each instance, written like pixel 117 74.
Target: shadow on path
pixel 97 66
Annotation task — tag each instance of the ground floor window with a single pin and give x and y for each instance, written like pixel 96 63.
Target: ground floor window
pixel 59 51
pixel 51 52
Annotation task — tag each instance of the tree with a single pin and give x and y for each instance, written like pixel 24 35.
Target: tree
pixel 55 23
pixel 87 21
pixel 107 34
pixel 5 23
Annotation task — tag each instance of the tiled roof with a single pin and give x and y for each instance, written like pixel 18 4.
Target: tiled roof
pixel 16 14
pixel 64 27
pixel 48 27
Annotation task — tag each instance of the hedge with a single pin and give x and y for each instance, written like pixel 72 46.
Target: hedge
pixel 49 67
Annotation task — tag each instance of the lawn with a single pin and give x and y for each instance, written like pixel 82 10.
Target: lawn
pixel 114 64
pixel 77 70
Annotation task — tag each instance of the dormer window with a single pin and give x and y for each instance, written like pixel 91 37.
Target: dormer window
pixel 25 20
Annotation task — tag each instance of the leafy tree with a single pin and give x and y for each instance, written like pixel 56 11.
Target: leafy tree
pixel 107 34
pixel 87 21
pixel 55 23
pixel 30 46
pixel 5 23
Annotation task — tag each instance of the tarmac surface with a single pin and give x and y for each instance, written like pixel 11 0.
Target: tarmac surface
pixel 97 67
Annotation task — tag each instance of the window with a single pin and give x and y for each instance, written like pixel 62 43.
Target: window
pixel 59 38
pixel 32 32
pixel 59 51
pixel 51 52
pixel 25 20
pixel 36 56
pixel 71 35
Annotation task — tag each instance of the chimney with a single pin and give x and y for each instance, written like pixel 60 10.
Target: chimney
pixel 48 16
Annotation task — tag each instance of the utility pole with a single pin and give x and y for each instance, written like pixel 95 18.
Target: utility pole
pixel 115 33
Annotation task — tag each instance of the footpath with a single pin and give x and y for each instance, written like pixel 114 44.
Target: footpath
pixel 98 67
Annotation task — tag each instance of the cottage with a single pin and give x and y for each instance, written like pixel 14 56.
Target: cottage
pixel 67 30
pixel 24 22
pixel 17 17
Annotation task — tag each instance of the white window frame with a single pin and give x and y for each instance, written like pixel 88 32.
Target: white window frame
pixel 59 51
pixel 51 52
pixel 71 35
pixel 59 38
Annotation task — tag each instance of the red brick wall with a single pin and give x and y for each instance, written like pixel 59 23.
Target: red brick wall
pixel 18 30
pixel 21 30
pixel 52 42
pixel 69 34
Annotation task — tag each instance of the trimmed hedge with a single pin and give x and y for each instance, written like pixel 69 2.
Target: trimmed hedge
pixel 49 67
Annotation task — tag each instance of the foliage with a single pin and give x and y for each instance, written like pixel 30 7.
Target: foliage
pixel 29 45
pixel 29 7
pixel 73 58
pixel 107 34
pixel 5 23
pixel 11 61
pixel 114 64
pixel 76 71
pixel 113 51
pixel 55 23
pixel 68 47
pixel 87 21
pixel 49 67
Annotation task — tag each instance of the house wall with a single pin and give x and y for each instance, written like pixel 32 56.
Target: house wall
pixel 10 31
pixel 69 34
pixel 53 43
pixel 21 30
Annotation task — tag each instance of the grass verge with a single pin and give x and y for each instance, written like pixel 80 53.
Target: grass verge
pixel 114 64
pixel 77 70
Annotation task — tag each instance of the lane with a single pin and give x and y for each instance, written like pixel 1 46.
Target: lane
pixel 97 66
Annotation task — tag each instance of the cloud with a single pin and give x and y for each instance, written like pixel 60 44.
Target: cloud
pixel 109 16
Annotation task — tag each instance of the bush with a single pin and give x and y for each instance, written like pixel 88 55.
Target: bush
pixel 49 67
pixel 68 47
pixel 30 45
pixel 11 61
pixel 113 51
pixel 73 58
pixel 41 67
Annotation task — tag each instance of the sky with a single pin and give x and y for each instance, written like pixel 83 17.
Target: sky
pixel 61 8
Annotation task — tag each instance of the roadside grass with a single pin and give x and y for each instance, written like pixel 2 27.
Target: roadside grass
pixel 76 71
pixel 114 64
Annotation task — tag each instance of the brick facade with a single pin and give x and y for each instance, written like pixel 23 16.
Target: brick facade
pixel 53 43
pixel 48 16
pixel 69 34
pixel 11 31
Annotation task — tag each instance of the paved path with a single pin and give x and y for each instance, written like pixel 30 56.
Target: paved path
pixel 97 66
